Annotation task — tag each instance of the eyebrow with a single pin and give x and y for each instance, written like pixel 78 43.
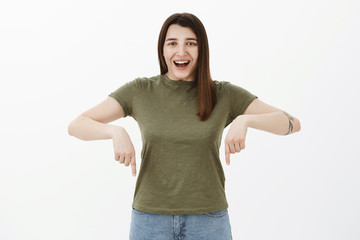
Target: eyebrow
pixel 173 39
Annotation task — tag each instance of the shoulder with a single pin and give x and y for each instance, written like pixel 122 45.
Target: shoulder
pixel 225 86
pixel 220 85
pixel 230 90
pixel 144 82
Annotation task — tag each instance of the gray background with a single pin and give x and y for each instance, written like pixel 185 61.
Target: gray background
pixel 59 58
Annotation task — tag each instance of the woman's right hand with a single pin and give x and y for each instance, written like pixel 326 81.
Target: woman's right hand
pixel 124 150
pixel 92 125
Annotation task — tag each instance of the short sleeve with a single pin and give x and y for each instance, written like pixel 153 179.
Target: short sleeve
pixel 124 95
pixel 240 99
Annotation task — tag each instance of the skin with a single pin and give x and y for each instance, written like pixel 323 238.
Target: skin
pixel 261 116
pixel 93 125
pixel 180 45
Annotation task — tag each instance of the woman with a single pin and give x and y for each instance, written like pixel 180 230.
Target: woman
pixel 181 113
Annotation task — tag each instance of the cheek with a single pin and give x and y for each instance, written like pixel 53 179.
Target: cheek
pixel 167 55
pixel 195 58
pixel 195 54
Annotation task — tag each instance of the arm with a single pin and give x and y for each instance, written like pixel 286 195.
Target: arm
pixel 261 116
pixel 264 117
pixel 92 125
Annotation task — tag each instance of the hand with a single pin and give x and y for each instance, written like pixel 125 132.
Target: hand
pixel 235 138
pixel 123 149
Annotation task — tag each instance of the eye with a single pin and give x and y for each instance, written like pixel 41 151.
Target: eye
pixel 192 44
pixel 172 43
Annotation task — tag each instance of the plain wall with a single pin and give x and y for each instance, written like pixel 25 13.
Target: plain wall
pixel 59 58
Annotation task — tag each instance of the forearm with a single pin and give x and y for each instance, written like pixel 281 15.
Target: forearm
pixel 280 123
pixel 87 129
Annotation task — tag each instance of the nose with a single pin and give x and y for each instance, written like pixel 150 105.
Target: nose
pixel 181 50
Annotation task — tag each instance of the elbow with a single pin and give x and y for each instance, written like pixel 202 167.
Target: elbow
pixel 73 126
pixel 297 125
pixel 71 129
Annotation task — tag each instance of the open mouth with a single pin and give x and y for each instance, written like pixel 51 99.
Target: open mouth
pixel 181 64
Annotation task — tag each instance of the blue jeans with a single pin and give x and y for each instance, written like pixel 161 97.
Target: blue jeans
pixel 210 226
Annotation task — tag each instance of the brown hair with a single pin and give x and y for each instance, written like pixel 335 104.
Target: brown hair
pixel 207 98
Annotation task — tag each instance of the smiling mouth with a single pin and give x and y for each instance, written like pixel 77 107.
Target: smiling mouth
pixel 181 64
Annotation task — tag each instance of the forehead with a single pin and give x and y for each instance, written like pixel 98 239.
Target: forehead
pixel 177 31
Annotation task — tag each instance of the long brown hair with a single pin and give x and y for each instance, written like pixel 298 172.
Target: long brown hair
pixel 207 98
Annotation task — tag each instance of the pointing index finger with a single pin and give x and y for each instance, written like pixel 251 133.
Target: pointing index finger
pixel 227 154
pixel 133 166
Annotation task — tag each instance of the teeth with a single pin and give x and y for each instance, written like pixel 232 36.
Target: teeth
pixel 181 62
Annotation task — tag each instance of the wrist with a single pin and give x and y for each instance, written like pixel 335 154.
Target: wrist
pixel 113 131
pixel 244 119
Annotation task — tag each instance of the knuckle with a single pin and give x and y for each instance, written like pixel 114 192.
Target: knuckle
pixel 128 153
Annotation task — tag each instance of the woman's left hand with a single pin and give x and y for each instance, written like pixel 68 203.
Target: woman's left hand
pixel 235 138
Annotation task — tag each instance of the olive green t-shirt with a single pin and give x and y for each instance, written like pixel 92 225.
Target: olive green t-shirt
pixel 180 170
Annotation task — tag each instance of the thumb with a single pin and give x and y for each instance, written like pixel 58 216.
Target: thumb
pixel 227 154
